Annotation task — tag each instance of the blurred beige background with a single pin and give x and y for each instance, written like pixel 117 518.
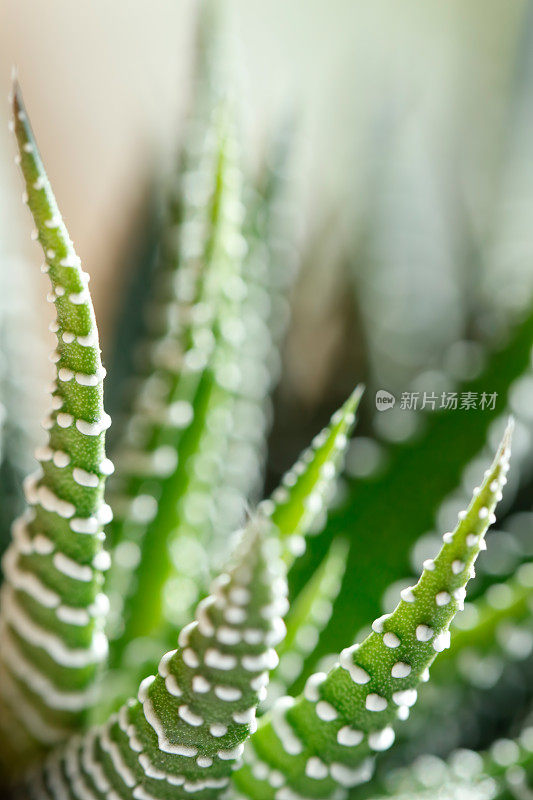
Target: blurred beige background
pixel 106 84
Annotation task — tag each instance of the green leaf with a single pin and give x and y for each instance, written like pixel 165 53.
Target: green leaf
pixel 185 731
pixel 307 616
pixel 327 738
pixel 365 514
pixel 161 408
pixel 488 656
pixel 181 429
pixel 52 607
pixel 304 492
pixel 267 275
pixel 219 451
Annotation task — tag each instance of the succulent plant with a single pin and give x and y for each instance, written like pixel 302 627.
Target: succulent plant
pixel 107 689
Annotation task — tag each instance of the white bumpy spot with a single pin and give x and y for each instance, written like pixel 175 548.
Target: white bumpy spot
pixel 65 374
pixel 61 459
pixel 352 777
pixel 87 341
pixel 104 514
pixel 405 698
pixel 326 711
pixel 106 466
pixel 51 502
pixel 83 478
pixel 88 525
pixel 78 298
pixel 233 753
pixel 284 731
pixel 407 595
pixel 102 561
pixel 391 640
pixel 228 693
pixel 315 768
pixel 85 379
pixel 424 633
pixel 200 685
pixel 381 740
pixel 311 692
pixel 441 641
pixel 217 660
pixel 43 453
pixel 442 598
pixel 265 661
pixel 71 568
pixel 245 717
pixel 357 674
pixel 400 670
pixel 93 428
pixel 375 702
pixel 377 625
pixel 190 658
pixel 73 616
pixel 217 729
pixel 349 737
pixel 190 717
pixel 183 638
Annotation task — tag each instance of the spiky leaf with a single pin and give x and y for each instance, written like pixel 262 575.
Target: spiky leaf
pixel 187 727
pixel 52 606
pixel 304 492
pixel 365 511
pixel 325 740
pixel 182 423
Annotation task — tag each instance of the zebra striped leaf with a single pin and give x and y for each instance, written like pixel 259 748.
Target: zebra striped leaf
pixel 52 606
pixel 324 742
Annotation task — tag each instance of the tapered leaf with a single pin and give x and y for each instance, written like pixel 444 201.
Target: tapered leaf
pixel 325 740
pixel 495 626
pixel 365 511
pixel 302 496
pixel 486 667
pixel 52 607
pixel 186 729
pixel 268 274
pixel 181 428
pixel 176 489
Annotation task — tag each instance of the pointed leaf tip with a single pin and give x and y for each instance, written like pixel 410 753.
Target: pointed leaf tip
pixel 508 434
pixel 305 489
pixel 16 97
pixel 357 394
